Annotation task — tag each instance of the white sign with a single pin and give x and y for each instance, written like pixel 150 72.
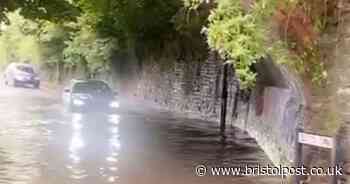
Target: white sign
pixel 316 140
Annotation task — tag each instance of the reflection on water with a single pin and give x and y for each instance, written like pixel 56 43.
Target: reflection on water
pixel 114 146
pixel 126 148
pixel 19 152
pixel 94 148
pixel 77 141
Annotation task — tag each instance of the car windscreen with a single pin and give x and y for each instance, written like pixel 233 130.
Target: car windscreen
pixel 92 88
pixel 26 69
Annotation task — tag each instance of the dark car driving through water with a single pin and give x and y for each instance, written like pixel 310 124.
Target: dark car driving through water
pixel 21 74
pixel 89 95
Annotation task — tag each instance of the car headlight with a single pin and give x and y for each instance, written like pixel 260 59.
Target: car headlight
pixel 78 102
pixel 20 77
pixel 114 104
pixel 81 96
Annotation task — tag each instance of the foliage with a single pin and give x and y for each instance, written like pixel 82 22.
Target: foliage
pixel 87 48
pixel 102 27
pixel 190 19
pixel 40 42
pixel 239 35
pixel 307 64
pixel 53 10
pixel 88 31
pixel 192 4
pixel 131 20
pixel 301 24
pixel 16 45
pixel 52 38
pixel 108 26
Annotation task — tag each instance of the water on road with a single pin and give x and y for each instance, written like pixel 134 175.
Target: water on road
pixel 42 144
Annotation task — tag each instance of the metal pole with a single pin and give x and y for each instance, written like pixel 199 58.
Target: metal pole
pixel 235 105
pixel 335 161
pixel 343 153
pixel 223 102
pixel 298 155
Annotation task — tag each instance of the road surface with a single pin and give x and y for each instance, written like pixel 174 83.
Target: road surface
pixel 42 144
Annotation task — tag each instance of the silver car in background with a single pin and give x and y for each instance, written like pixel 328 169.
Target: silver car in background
pixel 21 74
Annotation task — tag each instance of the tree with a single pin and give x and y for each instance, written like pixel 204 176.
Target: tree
pixel 52 38
pixel 16 45
pixel 131 19
pixel 53 10
pixel 86 47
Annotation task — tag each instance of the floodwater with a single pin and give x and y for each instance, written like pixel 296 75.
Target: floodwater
pixel 42 144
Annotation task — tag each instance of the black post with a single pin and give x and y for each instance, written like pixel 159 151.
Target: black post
pixel 235 105
pixel 335 160
pixel 343 154
pixel 223 102
pixel 298 155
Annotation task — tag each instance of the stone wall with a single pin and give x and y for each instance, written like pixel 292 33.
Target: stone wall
pixel 270 115
pixel 192 88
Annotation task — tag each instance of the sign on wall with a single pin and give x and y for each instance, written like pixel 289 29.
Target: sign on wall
pixel 315 140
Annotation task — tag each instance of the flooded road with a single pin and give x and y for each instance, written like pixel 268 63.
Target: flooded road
pixel 42 144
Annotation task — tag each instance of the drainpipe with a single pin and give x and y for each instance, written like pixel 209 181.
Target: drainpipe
pixel 223 103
